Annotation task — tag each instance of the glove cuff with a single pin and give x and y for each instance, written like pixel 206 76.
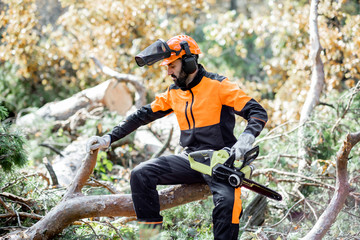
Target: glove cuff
pixel 107 139
pixel 248 137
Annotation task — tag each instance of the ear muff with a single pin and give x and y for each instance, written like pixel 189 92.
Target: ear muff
pixel 189 64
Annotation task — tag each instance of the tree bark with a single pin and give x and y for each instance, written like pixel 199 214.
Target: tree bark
pixel 75 205
pixel 317 83
pixel 342 190
pixel 317 76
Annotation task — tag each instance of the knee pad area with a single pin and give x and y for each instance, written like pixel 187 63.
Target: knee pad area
pixel 141 177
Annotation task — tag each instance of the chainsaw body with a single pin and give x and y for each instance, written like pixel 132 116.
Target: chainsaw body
pixel 225 168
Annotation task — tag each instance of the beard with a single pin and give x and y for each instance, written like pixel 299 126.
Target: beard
pixel 181 80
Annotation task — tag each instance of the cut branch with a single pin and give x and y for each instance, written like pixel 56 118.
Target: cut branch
pixel 51 171
pixel 21 214
pixel 4 205
pixel 127 78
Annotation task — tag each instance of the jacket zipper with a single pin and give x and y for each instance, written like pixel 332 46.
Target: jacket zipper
pixel 191 111
pixel 186 115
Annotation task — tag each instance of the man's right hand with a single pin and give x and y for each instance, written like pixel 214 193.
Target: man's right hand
pixel 243 144
pixel 96 142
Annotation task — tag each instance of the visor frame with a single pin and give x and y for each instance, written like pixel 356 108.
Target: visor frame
pixel 151 54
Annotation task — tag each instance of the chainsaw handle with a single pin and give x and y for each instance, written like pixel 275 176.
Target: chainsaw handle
pixel 202 154
pixel 249 156
pixel 230 161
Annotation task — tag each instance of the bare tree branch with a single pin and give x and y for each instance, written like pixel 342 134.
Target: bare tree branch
pixel 51 171
pixel 341 192
pixel 353 93
pixel 4 205
pixel 265 171
pixel 95 183
pixel 165 145
pixel 22 201
pixel 21 214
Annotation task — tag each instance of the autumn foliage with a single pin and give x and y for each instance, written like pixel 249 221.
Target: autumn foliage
pixel 47 50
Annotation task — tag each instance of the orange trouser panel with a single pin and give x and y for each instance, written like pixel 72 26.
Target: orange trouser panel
pixel 237 206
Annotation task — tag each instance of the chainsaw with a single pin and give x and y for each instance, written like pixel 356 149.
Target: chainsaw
pixel 225 168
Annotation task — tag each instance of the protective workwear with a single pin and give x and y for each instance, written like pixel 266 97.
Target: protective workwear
pixel 243 144
pixel 171 50
pixel 205 111
pixel 175 169
pixel 96 142
pixel 153 53
pixel 174 44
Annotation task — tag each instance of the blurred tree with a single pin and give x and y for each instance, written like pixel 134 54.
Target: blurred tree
pixel 264 45
pixel 269 51
pixel 55 58
pixel 12 151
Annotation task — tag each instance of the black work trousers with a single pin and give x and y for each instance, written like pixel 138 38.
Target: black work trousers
pixel 175 169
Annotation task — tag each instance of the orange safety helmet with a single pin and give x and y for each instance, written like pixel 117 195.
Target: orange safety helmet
pixel 174 44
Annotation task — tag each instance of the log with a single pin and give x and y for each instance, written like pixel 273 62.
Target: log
pixel 67 166
pixel 107 93
pixel 126 78
pixel 75 206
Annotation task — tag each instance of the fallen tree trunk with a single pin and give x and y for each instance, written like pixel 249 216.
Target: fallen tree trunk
pixel 109 93
pixel 127 78
pixel 75 205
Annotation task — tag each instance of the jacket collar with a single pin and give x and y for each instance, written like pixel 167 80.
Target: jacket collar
pixel 199 75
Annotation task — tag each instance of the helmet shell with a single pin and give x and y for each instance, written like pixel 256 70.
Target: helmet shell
pixel 174 44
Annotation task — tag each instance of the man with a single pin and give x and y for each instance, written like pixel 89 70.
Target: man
pixel 204 104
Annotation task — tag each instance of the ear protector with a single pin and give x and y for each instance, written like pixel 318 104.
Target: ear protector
pixel 189 64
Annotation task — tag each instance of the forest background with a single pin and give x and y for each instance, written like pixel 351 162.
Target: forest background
pixel 46 55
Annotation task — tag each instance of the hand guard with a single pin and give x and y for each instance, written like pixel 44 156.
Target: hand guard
pixel 96 142
pixel 243 144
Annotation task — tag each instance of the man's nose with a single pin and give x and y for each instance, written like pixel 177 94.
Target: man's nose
pixel 169 71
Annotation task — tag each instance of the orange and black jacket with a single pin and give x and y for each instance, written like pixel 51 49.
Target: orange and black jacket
pixel 205 112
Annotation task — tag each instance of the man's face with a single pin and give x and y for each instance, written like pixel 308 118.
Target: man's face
pixel 177 74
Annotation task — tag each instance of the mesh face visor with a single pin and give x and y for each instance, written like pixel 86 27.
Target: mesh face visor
pixel 157 51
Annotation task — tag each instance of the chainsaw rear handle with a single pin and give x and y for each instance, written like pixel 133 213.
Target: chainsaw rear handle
pixel 202 154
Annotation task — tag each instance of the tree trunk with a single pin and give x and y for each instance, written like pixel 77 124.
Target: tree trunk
pixel 317 83
pixel 75 205
pixel 317 76
pixel 341 191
